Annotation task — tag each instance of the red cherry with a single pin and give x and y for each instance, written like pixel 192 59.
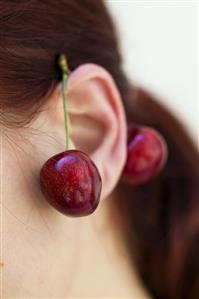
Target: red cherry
pixel 71 183
pixel 146 156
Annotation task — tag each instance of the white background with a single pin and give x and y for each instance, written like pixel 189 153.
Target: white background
pixel 159 42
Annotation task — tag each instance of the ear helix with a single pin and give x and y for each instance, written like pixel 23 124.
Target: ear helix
pixel 70 181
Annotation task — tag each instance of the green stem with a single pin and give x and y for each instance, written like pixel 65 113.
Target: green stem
pixel 64 68
pixel 64 99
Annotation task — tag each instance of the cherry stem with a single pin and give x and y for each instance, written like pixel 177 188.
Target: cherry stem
pixel 63 64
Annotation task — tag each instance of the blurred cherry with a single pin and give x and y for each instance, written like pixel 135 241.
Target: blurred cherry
pixel 146 155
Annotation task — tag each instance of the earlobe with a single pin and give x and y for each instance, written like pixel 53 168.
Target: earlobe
pixel 98 122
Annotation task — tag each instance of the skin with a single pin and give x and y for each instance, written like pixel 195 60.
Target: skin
pixel 44 253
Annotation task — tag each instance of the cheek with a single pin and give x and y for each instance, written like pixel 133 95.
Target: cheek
pixel 31 265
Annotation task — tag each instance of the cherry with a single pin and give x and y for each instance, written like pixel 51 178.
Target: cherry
pixel 71 183
pixel 146 155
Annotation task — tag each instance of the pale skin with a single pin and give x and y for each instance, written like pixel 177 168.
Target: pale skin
pixel 44 253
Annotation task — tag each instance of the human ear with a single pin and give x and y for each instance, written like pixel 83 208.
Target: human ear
pixel 98 125
pixel 97 120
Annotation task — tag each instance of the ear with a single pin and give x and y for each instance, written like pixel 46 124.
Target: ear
pixel 97 120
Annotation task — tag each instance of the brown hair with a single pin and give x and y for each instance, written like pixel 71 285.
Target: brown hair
pixel 161 217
